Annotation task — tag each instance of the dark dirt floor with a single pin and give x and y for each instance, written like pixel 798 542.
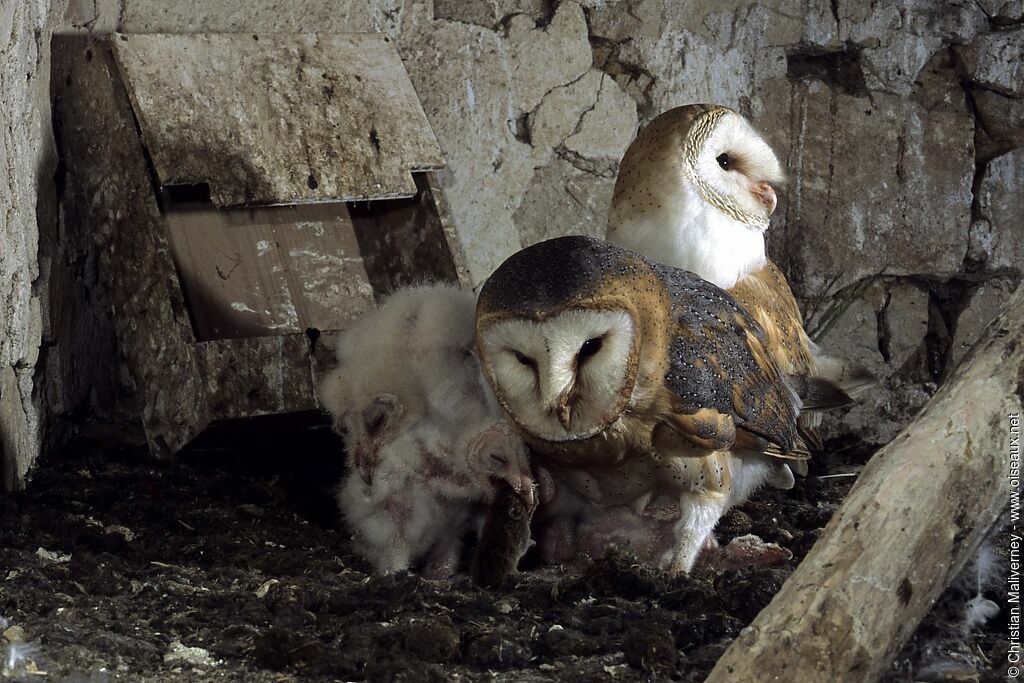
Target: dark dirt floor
pixel 228 564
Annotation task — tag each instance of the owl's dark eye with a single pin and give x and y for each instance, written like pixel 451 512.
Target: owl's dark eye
pixel 590 347
pixel 375 422
pixel 724 161
pixel 377 414
pixel 523 358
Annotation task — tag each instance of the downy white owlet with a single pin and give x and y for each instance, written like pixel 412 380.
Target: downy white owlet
pixel 424 437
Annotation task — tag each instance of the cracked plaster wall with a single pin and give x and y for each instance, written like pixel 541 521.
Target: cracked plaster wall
pixel 27 201
pixel 899 123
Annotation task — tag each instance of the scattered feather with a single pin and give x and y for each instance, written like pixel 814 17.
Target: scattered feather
pixel 18 658
pixel 978 611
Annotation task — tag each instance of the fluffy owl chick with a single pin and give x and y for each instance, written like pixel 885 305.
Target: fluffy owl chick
pixel 695 191
pixel 637 385
pixel 422 433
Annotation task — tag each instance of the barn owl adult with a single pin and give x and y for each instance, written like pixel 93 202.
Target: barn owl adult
pixel 695 190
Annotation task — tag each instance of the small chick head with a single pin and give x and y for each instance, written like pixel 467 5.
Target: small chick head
pixel 367 418
pixel 370 429
pixel 404 363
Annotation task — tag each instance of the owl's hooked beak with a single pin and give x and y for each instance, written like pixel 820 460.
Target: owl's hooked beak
pixel 558 396
pixel 765 194
pixel 564 408
pixel 365 459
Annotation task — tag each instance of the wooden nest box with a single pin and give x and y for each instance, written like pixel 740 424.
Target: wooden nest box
pixel 249 195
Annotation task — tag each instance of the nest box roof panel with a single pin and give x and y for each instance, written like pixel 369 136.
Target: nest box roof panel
pixel 278 118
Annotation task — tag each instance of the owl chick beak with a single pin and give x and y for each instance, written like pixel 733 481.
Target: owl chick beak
pixel 765 194
pixel 365 460
pixel 564 409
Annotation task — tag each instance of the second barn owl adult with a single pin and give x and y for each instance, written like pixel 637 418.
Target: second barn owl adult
pixel 695 191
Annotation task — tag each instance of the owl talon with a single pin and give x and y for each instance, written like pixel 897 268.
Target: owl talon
pixel 545 485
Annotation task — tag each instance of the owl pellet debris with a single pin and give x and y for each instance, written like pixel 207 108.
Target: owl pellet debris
pixel 338 620
pixel 178 653
pixel 52 556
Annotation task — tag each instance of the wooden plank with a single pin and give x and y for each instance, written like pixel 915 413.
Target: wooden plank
pixel 916 514
pixel 406 241
pixel 258 376
pixel 183 385
pixel 267 271
pixel 278 118
pixel 327 277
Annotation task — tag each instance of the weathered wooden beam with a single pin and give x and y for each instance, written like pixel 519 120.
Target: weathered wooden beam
pixel 906 529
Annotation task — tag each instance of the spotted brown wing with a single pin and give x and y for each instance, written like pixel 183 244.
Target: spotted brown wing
pixel 720 368
pixel 766 296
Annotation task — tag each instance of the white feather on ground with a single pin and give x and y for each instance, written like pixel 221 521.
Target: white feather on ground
pixel 961 611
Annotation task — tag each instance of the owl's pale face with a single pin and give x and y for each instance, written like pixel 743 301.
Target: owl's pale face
pixel 695 192
pixel 735 163
pixel 565 378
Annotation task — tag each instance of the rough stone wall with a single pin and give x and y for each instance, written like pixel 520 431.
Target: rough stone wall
pixel 900 229
pixel 27 158
pixel 900 123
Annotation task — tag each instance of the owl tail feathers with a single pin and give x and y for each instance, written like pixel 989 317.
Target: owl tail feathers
pixel 809 434
pixel 796 449
pixel 797 452
pixel 824 392
pixel 853 378
pixel 818 393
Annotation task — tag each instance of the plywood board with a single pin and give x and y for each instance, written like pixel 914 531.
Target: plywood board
pixel 278 118
pixel 406 242
pixel 258 376
pixel 267 271
pixel 329 268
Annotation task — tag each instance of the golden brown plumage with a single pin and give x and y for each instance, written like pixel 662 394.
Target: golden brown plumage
pixel 695 192
pixel 698 365
pixel 680 383
pixel 766 296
